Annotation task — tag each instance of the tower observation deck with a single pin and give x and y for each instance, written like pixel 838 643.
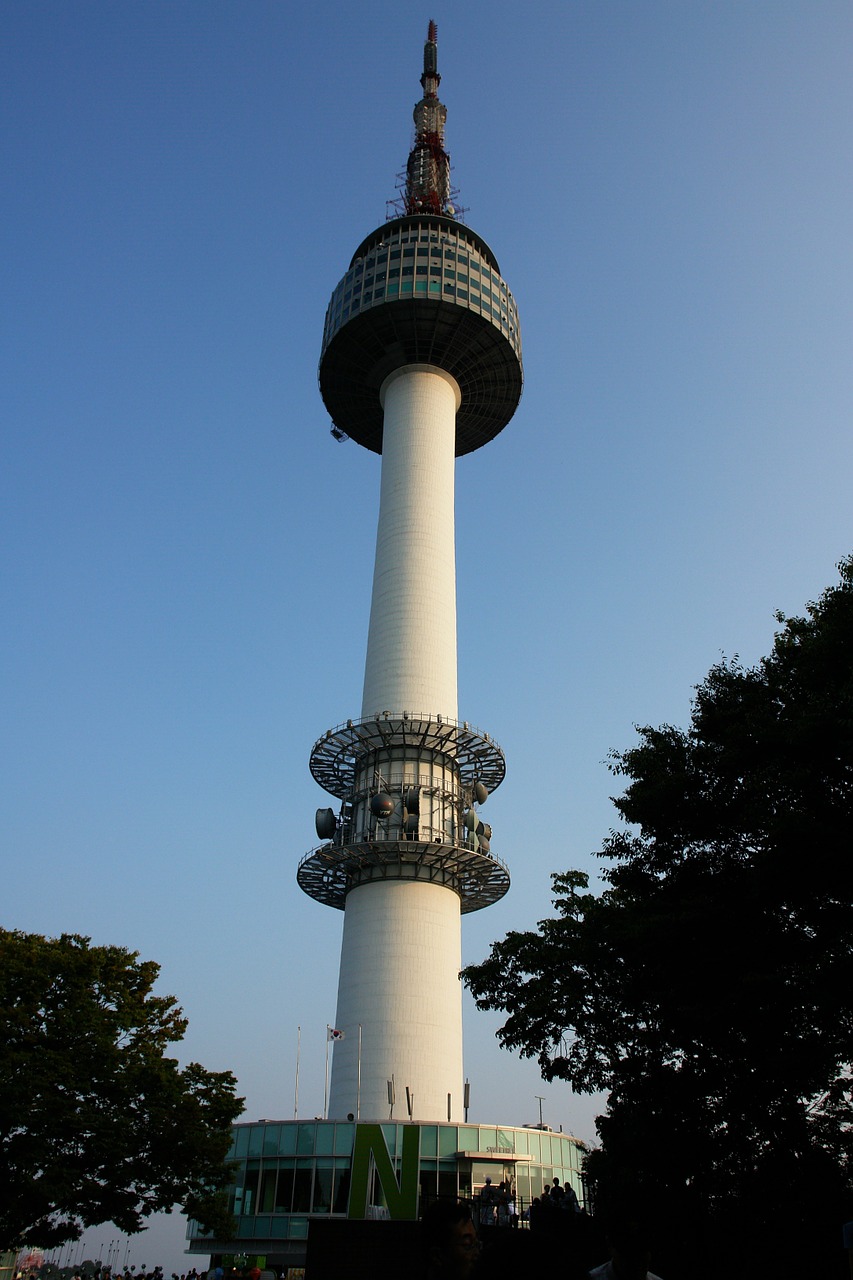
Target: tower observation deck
pixel 421 362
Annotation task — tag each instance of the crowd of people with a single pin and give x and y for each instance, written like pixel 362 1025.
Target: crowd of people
pixel 550 1211
pixel 496 1206
pixel 31 1269
pixel 35 1268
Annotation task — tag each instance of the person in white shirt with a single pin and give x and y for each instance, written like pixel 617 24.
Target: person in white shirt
pixel 630 1255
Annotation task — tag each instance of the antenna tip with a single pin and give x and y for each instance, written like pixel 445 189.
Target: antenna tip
pixel 432 33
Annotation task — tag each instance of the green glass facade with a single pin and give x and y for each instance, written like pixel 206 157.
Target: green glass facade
pixel 292 1171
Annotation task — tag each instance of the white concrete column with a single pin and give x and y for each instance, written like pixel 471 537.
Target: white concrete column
pixel 411 647
pixel 400 962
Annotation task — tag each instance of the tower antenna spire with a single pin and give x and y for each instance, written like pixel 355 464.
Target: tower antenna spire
pixel 427 188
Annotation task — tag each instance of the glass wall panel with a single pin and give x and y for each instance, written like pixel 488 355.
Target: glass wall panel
pixel 287 1140
pixel 448 1140
pixel 284 1189
pixel 506 1140
pixel 298 1228
pixel 323 1186
pixel 522 1185
pixel 305 1139
pixel 447 1183
pixel 266 1192
pixel 389 1132
pixel 344 1139
pixel 250 1186
pixel 427 1184
pixel 487 1138
pixel 429 1147
pixel 270 1139
pixel 469 1139
pixel 324 1142
pixel 256 1139
pixel 302 1186
pixel 340 1186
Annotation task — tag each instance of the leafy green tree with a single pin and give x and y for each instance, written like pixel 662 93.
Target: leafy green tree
pixel 97 1124
pixel 709 986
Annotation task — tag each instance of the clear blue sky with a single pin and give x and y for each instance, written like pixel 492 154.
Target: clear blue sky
pixel 187 553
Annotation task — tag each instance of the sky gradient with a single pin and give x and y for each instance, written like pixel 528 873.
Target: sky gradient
pixel 187 553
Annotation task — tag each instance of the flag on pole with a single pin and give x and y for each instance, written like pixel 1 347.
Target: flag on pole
pixel 334 1035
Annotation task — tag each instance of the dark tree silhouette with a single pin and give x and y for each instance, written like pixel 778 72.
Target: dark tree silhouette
pixel 97 1124
pixel 709 987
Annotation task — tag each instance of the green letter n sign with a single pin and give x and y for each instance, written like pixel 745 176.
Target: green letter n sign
pixel 371 1151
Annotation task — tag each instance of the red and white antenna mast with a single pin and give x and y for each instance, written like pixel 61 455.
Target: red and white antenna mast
pixel 427 188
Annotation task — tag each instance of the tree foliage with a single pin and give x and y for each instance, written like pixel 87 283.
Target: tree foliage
pixel 709 987
pixel 97 1123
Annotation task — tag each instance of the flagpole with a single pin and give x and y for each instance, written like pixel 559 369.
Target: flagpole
pixel 296 1086
pixel 326 1085
pixel 358 1082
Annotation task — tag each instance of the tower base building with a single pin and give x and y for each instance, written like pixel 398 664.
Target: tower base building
pixel 293 1174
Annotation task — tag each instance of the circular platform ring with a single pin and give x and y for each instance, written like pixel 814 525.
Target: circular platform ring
pixel 339 752
pixel 328 873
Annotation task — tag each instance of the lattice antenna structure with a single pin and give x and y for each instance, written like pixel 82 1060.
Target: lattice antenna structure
pixel 427 187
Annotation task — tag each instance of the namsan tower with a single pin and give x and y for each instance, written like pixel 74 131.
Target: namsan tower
pixel 421 363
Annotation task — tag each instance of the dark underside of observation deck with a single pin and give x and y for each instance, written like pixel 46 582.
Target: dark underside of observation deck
pixel 421 331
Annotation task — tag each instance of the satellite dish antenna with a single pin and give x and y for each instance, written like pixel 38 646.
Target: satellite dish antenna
pixel 382 805
pixel 324 822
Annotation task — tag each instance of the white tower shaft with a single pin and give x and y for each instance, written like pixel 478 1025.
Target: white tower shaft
pixel 411 646
pixel 400 962
pixel 399 999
